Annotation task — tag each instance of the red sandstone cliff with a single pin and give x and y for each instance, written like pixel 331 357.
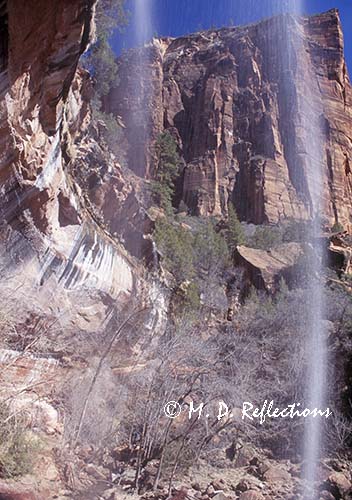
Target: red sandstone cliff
pixel 49 229
pixel 241 102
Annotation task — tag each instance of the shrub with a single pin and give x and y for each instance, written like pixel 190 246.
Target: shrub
pixel 187 299
pixel 182 207
pixel 175 244
pixel 103 67
pixel 16 445
pixel 110 14
pixel 337 228
pixel 113 134
pixel 265 237
pixel 300 231
pixel 197 257
pixel 180 371
pixel 210 249
pixel 266 344
pixel 187 253
pixel 100 59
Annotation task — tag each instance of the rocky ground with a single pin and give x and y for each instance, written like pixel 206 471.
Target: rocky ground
pixel 248 476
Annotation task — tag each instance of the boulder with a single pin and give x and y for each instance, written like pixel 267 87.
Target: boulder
pixel 244 457
pixel 221 496
pixel 243 485
pixel 251 495
pixel 275 475
pixel 340 252
pixel 338 484
pixel 265 268
pixel 16 490
pixel 97 472
pixel 128 477
pixel 210 491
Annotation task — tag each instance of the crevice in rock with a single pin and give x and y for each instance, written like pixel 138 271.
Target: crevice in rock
pixel 331 183
pixel 347 166
pixel 345 77
pixel 4 36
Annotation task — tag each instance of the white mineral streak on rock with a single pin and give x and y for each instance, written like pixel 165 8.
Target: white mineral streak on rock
pixel 158 316
pixel 87 260
pixel 52 165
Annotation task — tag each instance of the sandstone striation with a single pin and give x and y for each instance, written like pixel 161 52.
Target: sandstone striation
pixel 241 103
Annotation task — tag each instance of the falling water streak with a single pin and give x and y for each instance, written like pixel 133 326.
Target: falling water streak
pixel 143 21
pixel 155 257
pixel 141 118
pixel 143 34
pixel 316 383
pixel 316 350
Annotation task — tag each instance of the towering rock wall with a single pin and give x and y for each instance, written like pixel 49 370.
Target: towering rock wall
pixel 66 278
pixel 46 40
pixel 51 232
pixel 241 102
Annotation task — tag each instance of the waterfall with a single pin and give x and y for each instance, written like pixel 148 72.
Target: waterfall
pixel 309 147
pixel 316 380
pixel 143 24
pixel 316 348
pixel 142 87
pixel 143 33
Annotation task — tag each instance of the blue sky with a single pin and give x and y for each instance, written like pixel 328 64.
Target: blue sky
pixel 178 17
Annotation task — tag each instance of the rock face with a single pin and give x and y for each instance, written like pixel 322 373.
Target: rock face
pixel 340 253
pixel 257 111
pixel 68 212
pixel 62 191
pixel 62 195
pixel 36 83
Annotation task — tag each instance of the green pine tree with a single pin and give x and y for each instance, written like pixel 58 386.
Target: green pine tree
pixel 235 234
pixel 100 59
pixel 167 170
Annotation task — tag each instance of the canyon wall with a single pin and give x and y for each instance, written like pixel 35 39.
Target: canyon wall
pixel 240 102
pixel 65 273
pixel 51 233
